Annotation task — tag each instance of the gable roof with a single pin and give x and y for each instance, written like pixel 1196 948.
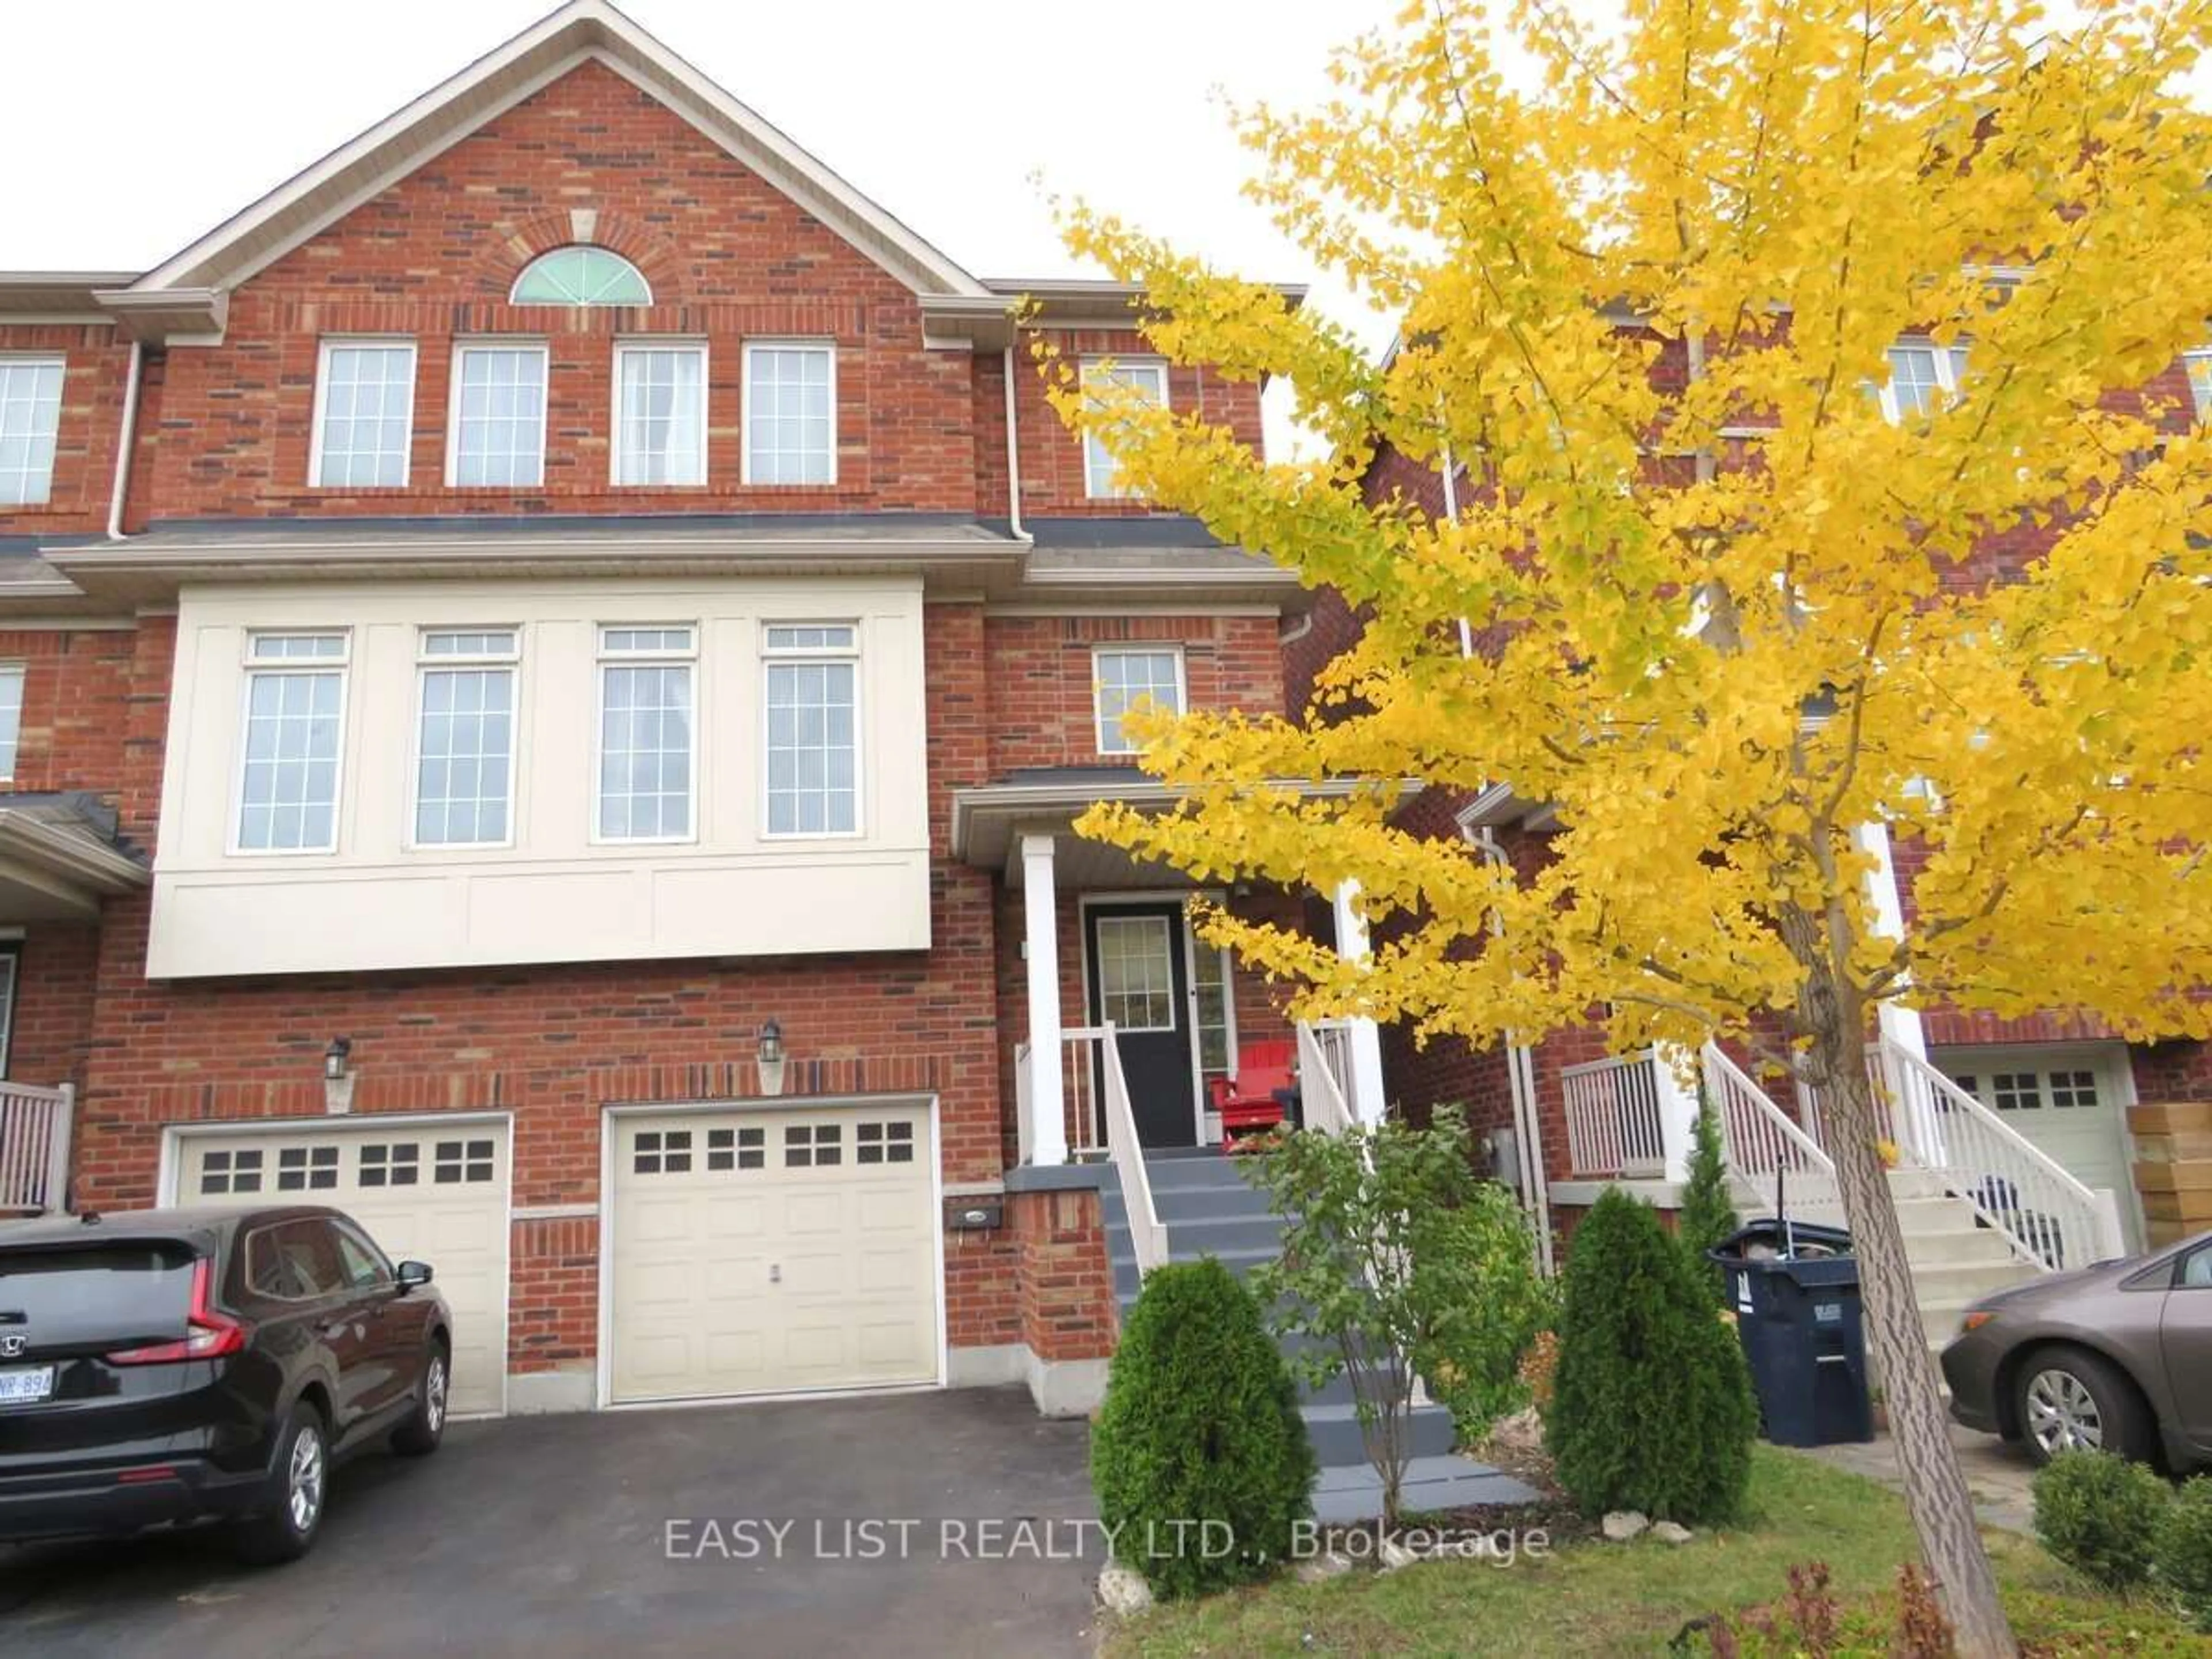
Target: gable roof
pixel 580 31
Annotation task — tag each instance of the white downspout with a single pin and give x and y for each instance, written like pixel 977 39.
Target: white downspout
pixel 1013 453
pixel 1451 511
pixel 123 444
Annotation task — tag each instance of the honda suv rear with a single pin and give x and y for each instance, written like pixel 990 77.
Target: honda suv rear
pixel 167 1368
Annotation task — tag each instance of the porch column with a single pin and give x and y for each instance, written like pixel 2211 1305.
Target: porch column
pixel 1901 1025
pixel 1678 1106
pixel 1362 1039
pixel 1048 1125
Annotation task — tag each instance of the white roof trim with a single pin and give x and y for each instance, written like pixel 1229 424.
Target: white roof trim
pixel 579 31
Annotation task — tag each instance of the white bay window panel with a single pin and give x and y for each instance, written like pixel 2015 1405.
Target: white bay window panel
pixel 464 764
pixel 30 421
pixel 1924 379
pixel 646 735
pixel 294 732
pixel 1149 381
pixel 813 744
pixel 790 414
pixel 1127 677
pixel 11 715
pixel 364 413
pixel 499 416
pixel 660 414
pixel 2200 381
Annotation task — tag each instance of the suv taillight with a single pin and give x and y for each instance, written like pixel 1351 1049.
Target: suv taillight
pixel 213 1334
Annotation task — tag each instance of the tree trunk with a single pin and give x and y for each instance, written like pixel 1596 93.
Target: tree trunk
pixel 1935 1490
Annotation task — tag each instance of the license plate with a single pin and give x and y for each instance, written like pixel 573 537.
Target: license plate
pixel 21 1386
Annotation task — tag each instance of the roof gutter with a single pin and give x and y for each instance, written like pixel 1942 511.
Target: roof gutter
pixel 125 440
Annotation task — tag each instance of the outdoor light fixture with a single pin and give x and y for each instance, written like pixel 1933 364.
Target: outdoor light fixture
pixel 337 1077
pixel 771 1057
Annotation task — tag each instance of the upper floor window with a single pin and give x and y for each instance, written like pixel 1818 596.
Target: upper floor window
pixel 364 413
pixel 660 413
pixel 499 416
pixel 1127 677
pixel 464 747
pixel 790 414
pixel 648 737
pixel 30 416
pixel 11 715
pixel 288 790
pixel 1102 474
pixel 1924 378
pixel 814 753
pixel 2200 381
pixel 580 275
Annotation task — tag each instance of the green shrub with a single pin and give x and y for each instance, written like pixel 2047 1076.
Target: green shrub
pixel 2099 1515
pixel 1653 1407
pixel 1495 1303
pixel 2185 1550
pixel 1201 1424
pixel 1708 1215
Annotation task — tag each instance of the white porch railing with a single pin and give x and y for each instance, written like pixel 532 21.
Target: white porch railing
pixel 1614 1126
pixel 34 1146
pixel 1764 1147
pixel 1093 1051
pixel 2048 1218
pixel 1324 1076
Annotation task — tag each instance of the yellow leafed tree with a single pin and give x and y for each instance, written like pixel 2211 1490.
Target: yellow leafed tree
pixel 1731 600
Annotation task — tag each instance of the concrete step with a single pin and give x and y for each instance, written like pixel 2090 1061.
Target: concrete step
pixel 1333 1428
pixel 1343 1496
pixel 1964 1246
pixel 1239 1260
pixel 1216 1234
pixel 1949 1285
pixel 1173 1204
pixel 1174 1173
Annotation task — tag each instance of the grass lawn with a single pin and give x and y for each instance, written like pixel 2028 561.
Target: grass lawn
pixel 1593 1599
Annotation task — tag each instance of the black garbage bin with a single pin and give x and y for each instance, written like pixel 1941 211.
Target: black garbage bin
pixel 1795 1291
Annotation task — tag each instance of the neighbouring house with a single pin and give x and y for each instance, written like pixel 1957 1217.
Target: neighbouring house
pixel 546 666
pixel 2027 1145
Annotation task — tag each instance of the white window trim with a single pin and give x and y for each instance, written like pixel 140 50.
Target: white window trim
pixel 342 665
pixel 746 410
pixel 1947 372
pixel 322 396
pixel 462 347
pixel 694 343
pixel 37 359
pixel 1103 489
pixel 1133 648
pixel 602 658
pixel 11 972
pixel 2202 401
pixel 424 665
pixel 21 669
pixel 853 654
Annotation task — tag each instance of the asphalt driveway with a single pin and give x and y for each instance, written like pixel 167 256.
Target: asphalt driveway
pixel 628 1533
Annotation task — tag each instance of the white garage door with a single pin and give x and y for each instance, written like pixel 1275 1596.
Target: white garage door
pixel 427 1192
pixel 2066 1101
pixel 760 1251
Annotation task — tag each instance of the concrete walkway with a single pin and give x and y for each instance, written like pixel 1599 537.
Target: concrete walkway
pixel 1996 1474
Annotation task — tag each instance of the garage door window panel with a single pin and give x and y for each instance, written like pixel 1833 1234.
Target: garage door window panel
pixel 813 1145
pixel 883 1143
pixel 224 1172
pixel 662 1152
pixel 397 1164
pixel 306 1169
pixel 455 1162
pixel 737 1149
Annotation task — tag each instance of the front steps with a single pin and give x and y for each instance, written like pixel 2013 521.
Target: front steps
pixel 1955 1260
pixel 1209 1209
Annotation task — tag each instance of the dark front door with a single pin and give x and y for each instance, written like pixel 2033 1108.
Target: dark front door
pixel 1140 982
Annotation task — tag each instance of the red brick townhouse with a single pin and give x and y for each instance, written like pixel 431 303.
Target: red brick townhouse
pixel 1567 1119
pixel 545 669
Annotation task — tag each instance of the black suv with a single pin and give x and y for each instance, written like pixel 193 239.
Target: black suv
pixel 169 1367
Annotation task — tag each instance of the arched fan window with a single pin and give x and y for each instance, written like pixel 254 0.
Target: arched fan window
pixel 580 275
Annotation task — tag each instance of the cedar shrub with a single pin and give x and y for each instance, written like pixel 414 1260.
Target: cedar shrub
pixel 2099 1515
pixel 1708 1215
pixel 1201 1423
pixel 1652 1409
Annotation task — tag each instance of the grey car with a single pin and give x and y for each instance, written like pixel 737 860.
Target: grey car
pixel 2115 1357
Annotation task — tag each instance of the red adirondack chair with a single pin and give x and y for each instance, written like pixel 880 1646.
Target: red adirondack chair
pixel 1247 1102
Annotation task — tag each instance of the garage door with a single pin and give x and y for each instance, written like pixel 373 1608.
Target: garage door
pixel 2066 1101
pixel 760 1251
pixel 428 1192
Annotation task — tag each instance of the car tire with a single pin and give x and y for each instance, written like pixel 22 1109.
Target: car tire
pixel 2067 1398
pixel 299 1493
pixel 418 1437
